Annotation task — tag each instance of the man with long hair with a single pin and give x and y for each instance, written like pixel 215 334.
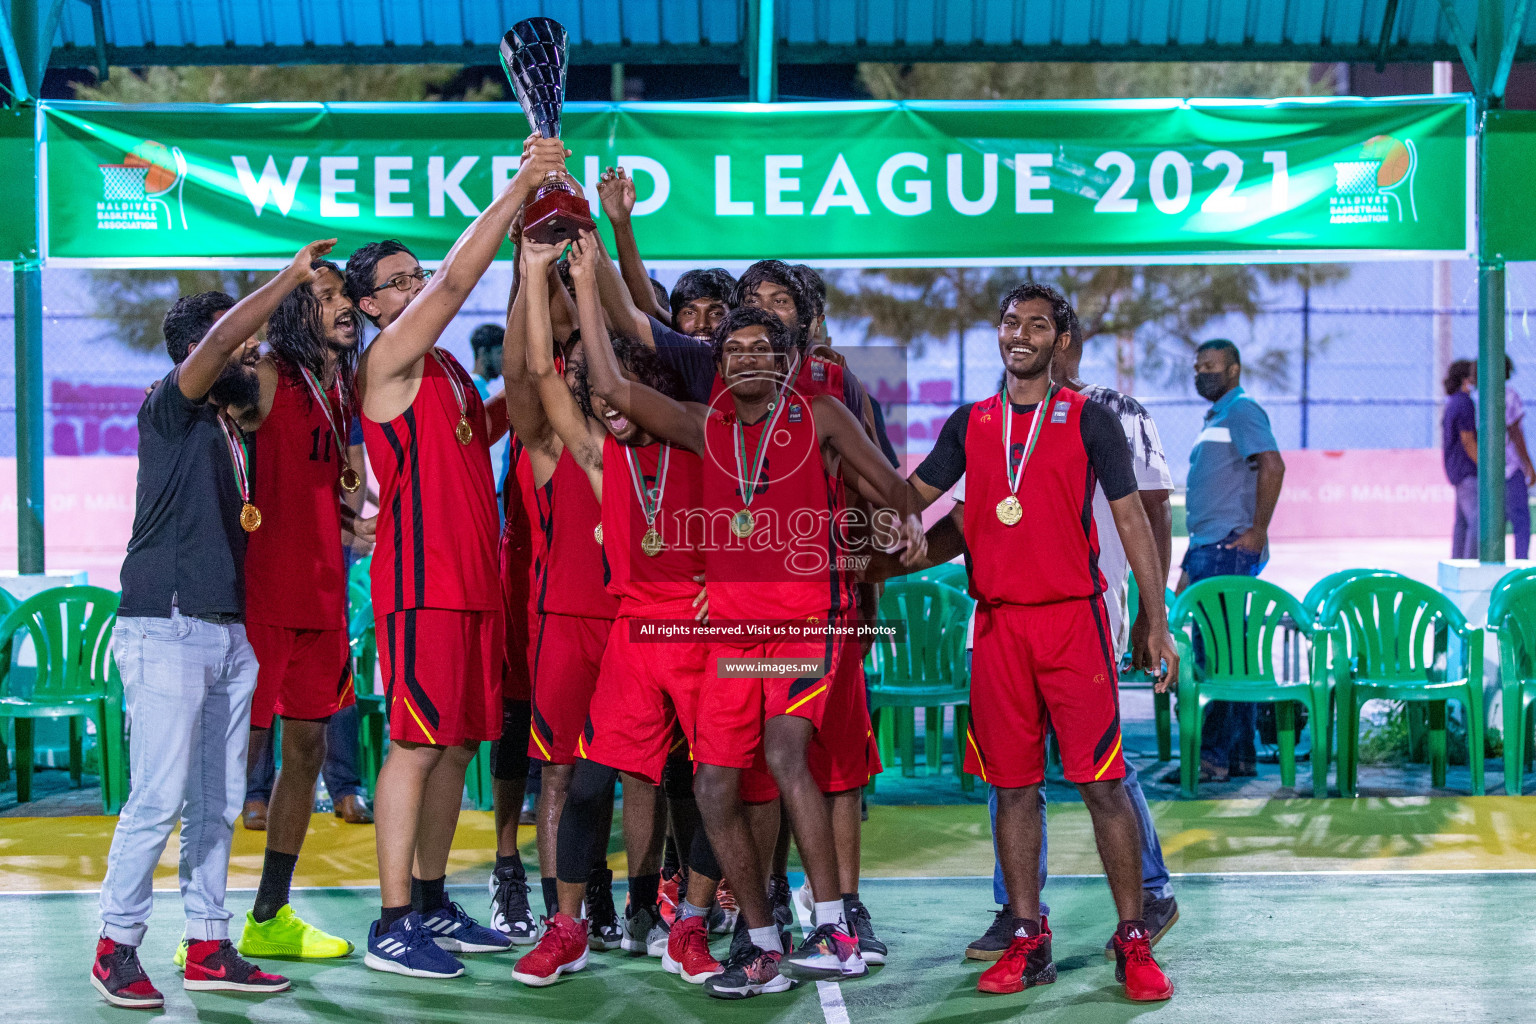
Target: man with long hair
pixel 296 578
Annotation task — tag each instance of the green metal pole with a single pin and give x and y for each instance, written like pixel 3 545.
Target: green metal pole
pixel 29 417
pixel 1490 410
pixel 762 51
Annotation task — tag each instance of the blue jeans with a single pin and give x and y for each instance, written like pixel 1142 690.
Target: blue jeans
pixel 1517 506
pixel 339 769
pixel 187 687
pixel 1154 873
pixel 1226 738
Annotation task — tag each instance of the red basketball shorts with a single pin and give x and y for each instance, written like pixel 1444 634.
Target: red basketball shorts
pixel 1043 665
pixel 442 674
pixel 644 690
pixel 567 657
pixel 303 673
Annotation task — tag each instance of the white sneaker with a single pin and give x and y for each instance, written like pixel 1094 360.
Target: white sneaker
pixel 805 905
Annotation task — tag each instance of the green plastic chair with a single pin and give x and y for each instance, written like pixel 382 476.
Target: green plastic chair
pixel 950 573
pixel 1512 617
pixel 1385 636
pixel 1241 621
pixel 71 631
pixel 372 714
pixel 7 605
pixel 928 670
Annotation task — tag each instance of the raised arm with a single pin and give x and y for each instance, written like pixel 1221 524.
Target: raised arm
pixel 616 190
pixel 581 435
pixel 208 357
pixel 528 328
pixel 658 415
pixel 394 353
pixel 836 426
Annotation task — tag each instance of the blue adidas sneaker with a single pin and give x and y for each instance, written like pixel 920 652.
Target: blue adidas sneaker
pixel 457 932
pixel 407 948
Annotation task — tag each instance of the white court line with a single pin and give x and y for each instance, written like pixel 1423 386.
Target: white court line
pixel 898 878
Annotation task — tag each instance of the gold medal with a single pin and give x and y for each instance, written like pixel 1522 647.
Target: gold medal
pixel 1010 511
pixel 743 523
pixel 351 482
pixel 651 543
pixel 463 431
pixel 250 518
pixel 597 533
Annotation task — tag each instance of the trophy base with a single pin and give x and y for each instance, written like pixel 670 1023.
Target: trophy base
pixel 556 215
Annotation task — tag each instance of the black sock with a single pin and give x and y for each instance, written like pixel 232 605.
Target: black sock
pixel 851 897
pixel 276 878
pixel 1031 925
pixel 642 890
pixel 509 862
pixel 551 896
pixel 433 898
pixel 389 915
pixel 1132 929
pixel 416 894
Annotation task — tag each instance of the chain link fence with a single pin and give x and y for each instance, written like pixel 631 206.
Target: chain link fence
pixel 1355 364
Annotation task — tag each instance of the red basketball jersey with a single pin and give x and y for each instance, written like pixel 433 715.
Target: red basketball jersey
pixel 438 527
pixel 820 376
pixel 660 585
pixel 295 575
pixel 569 575
pixel 1053 553
pixel 791 565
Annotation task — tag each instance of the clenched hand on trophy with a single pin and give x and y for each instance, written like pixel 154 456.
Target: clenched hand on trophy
pixel 534 55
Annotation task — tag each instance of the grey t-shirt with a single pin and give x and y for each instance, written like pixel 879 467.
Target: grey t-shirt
pixel 1223 484
pixel 187 546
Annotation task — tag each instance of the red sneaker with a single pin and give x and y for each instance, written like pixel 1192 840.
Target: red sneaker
pixel 1144 981
pixel 563 948
pixel 667 898
pixel 117 975
pixel 214 966
pixel 1024 964
pixel 688 951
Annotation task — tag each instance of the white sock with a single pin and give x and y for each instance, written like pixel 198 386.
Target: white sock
pixel 766 938
pixel 830 912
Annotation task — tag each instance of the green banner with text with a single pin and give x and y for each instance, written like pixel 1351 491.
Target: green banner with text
pixel 851 183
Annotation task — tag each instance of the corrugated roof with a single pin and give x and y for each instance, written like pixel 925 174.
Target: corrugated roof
pixel 138 32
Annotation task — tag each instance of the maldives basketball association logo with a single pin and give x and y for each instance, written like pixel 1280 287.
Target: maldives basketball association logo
pixel 137 194
pixel 1376 187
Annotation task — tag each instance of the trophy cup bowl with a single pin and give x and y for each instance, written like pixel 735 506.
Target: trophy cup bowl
pixel 534 54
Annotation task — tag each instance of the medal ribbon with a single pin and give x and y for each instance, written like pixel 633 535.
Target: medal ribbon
pixel 749 486
pixel 650 508
pixel 1016 476
pixel 319 395
pixel 453 382
pixel 239 456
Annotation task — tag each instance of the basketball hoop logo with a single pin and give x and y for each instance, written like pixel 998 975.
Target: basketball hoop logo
pixel 1377 186
pixel 136 192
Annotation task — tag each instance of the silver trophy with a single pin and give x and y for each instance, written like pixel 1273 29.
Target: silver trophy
pixel 534 54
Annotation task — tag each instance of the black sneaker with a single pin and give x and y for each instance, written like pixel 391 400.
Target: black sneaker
pixel 603 918
pixel 752 972
pixel 118 976
pixel 831 952
pixel 741 938
pixel 644 931
pixel 779 895
pixel 510 913
pixel 995 942
pixel 1159 913
pixel 870 948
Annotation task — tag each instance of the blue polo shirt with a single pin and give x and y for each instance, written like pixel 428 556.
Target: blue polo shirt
pixel 1223 485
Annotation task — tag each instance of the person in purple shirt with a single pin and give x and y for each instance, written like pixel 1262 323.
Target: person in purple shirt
pixel 1459 452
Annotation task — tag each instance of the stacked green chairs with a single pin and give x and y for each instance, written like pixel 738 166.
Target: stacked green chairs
pixel 928 670
pixel 71 632
pixel 1385 636
pixel 1512 617
pixel 372 715
pixel 1240 622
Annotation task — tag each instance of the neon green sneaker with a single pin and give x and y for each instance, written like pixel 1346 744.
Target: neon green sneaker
pixel 180 959
pixel 289 936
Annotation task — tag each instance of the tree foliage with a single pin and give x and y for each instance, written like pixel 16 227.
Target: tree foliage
pixel 136 300
pixel 1153 314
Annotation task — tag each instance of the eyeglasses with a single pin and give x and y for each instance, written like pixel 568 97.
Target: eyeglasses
pixel 403 281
